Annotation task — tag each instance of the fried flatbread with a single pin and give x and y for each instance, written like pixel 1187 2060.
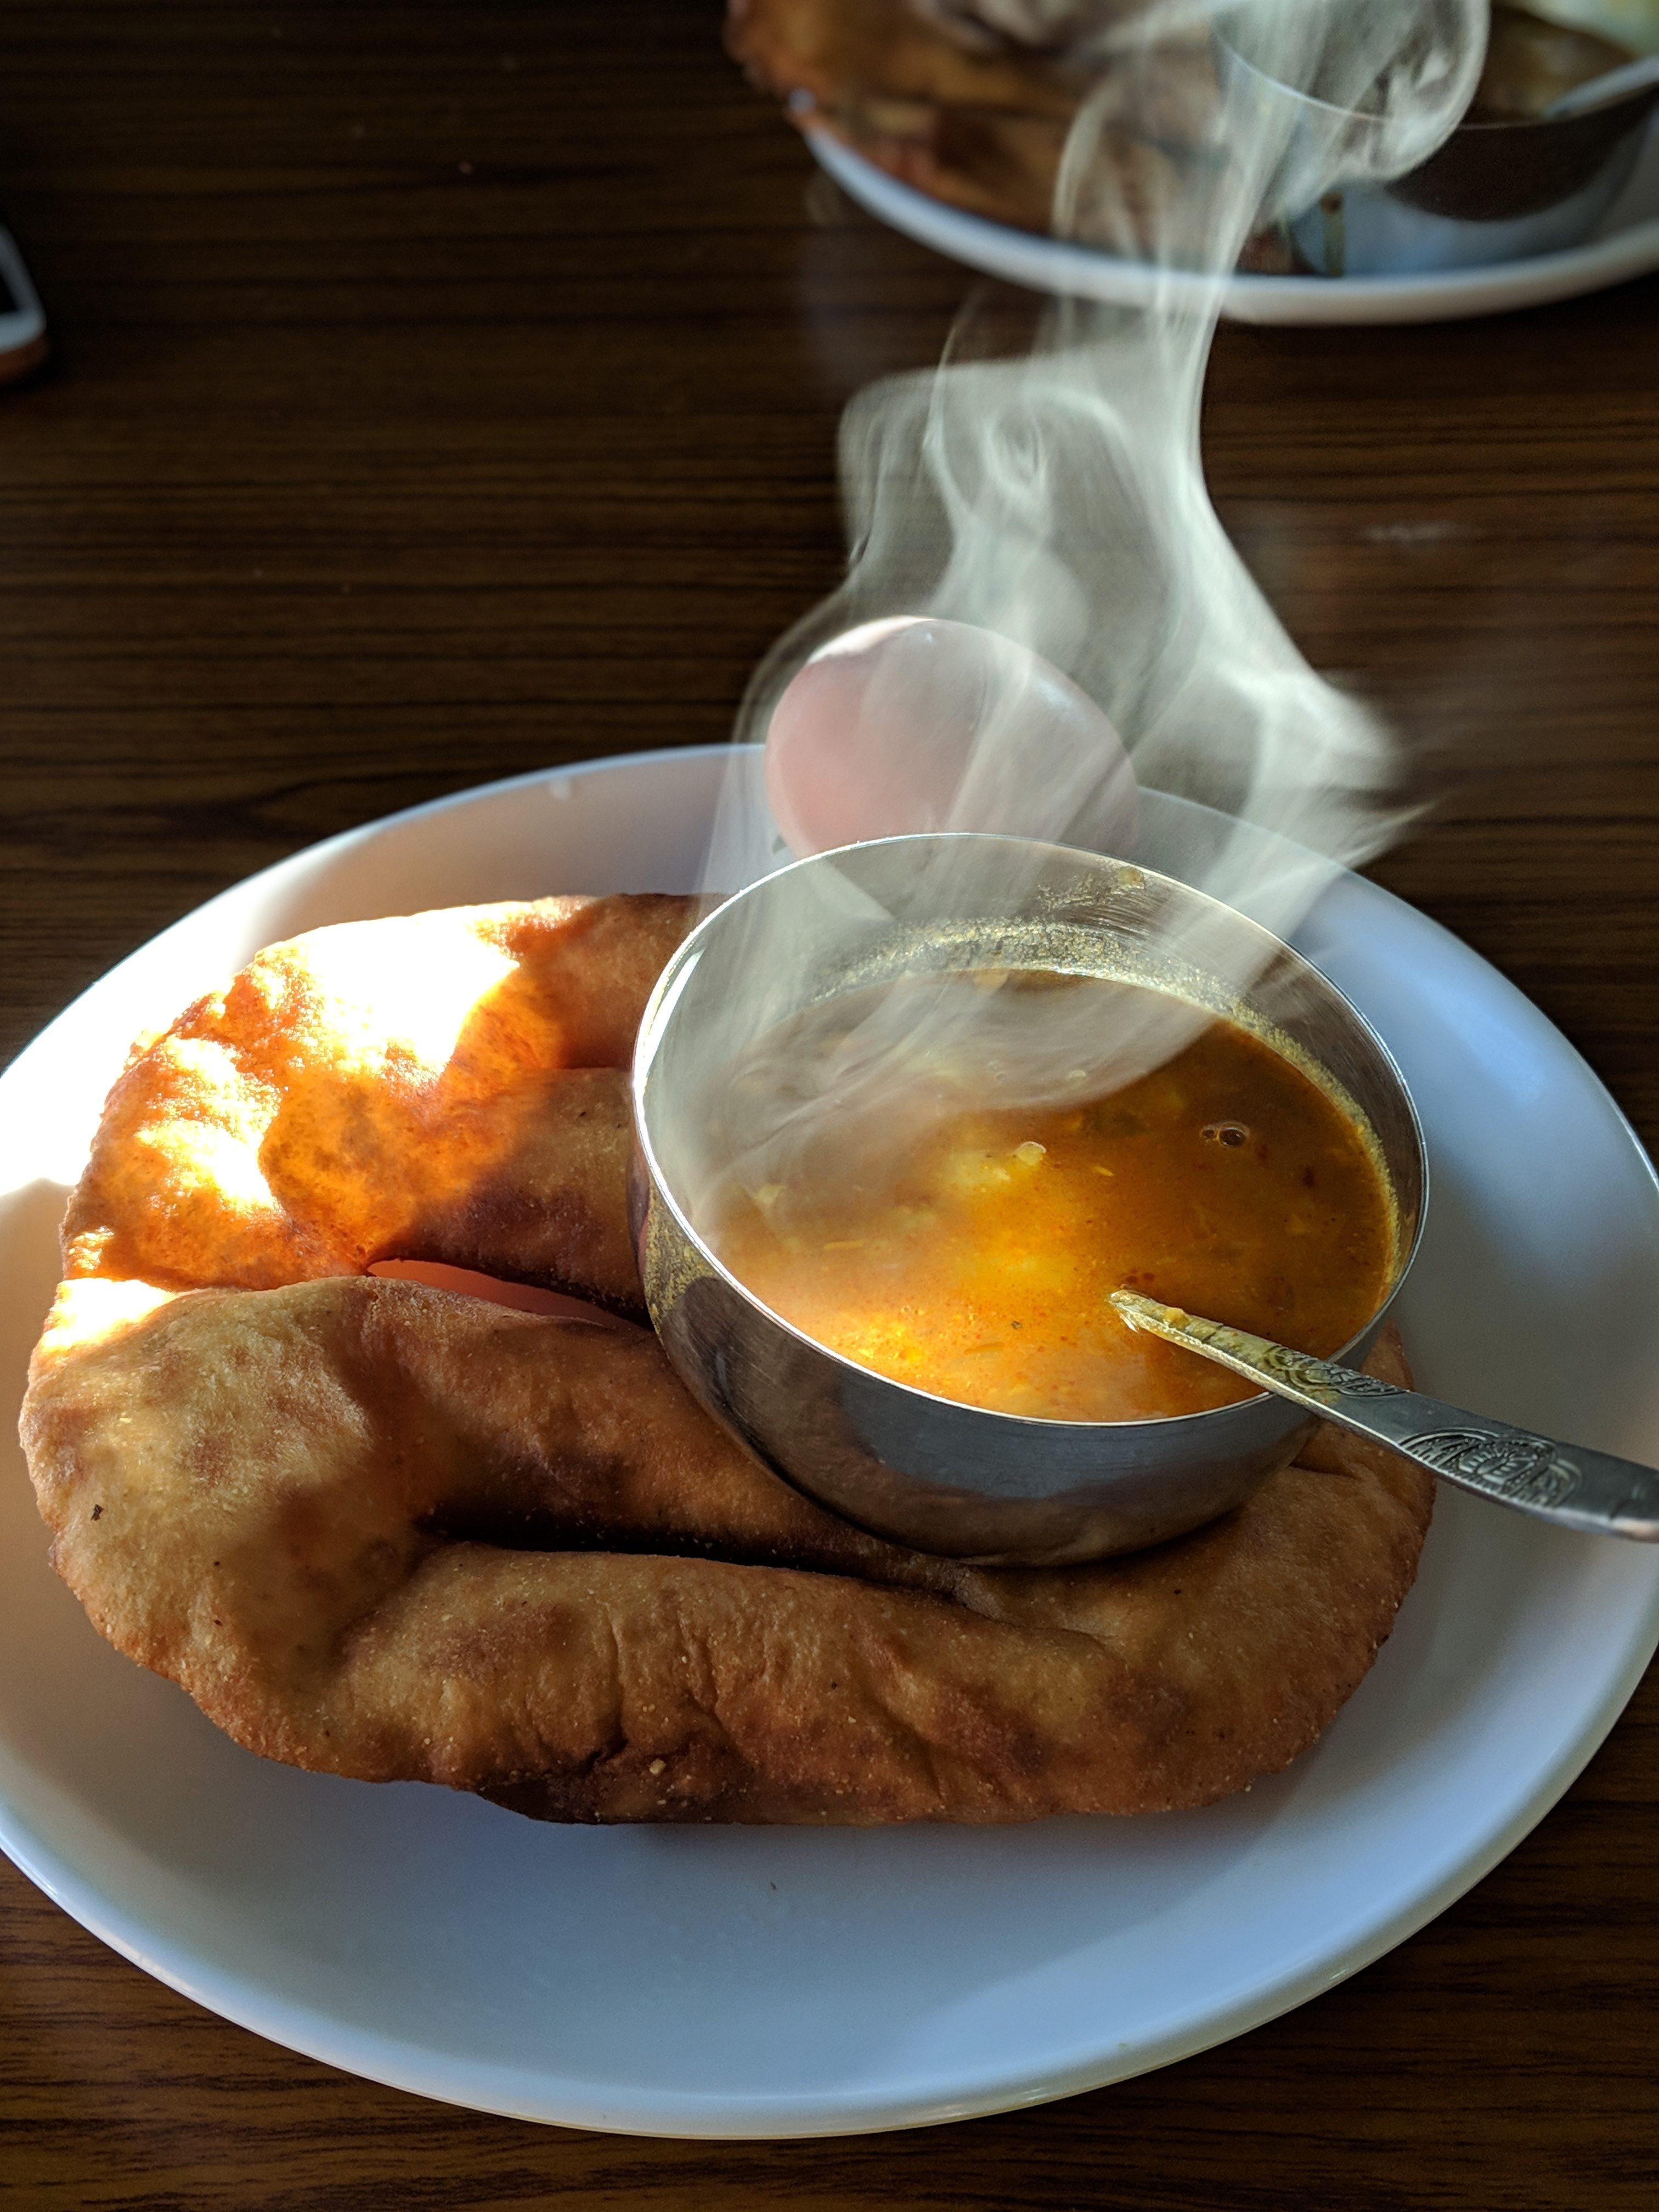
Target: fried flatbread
pixel 982 130
pixel 445 1086
pixel 972 102
pixel 382 1530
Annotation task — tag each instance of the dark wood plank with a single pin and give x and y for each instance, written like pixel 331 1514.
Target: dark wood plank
pixel 443 390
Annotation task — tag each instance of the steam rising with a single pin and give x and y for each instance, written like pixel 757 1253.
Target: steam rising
pixel 1056 502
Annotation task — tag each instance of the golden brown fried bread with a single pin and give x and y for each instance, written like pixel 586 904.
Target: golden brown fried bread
pixel 972 102
pixel 825 48
pixel 983 130
pixel 443 1086
pixel 385 1531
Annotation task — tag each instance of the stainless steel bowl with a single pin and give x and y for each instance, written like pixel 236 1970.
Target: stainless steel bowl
pixel 1495 191
pixel 928 1471
pixel 1498 190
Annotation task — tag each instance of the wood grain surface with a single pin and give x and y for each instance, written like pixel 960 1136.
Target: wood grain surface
pixel 443 390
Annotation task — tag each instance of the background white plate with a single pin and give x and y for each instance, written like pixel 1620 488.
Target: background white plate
pixel 773 1982
pixel 1625 244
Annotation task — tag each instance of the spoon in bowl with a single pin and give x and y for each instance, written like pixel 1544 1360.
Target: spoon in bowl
pixel 1563 1483
pixel 1605 90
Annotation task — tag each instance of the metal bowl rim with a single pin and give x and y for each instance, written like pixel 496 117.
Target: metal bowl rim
pixel 691 945
pixel 1485 123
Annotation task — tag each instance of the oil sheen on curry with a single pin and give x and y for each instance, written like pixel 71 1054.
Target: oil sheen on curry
pixel 975 1259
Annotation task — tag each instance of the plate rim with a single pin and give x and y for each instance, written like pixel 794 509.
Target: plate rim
pixel 1057 265
pixel 417 2069
pixel 681 2116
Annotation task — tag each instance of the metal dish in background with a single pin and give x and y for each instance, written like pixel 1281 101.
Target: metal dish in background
pixel 942 1476
pixel 1494 193
pixel 1509 185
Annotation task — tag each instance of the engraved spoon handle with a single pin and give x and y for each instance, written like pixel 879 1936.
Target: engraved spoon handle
pixel 1563 1483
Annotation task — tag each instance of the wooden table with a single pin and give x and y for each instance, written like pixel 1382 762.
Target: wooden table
pixel 445 391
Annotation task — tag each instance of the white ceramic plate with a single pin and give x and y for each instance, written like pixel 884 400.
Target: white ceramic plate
pixel 779 1981
pixel 1625 244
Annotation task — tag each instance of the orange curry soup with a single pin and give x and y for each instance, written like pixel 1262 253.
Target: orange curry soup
pixel 979 1265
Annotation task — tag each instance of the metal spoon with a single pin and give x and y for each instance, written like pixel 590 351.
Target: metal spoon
pixel 1563 1483
pixel 1604 91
